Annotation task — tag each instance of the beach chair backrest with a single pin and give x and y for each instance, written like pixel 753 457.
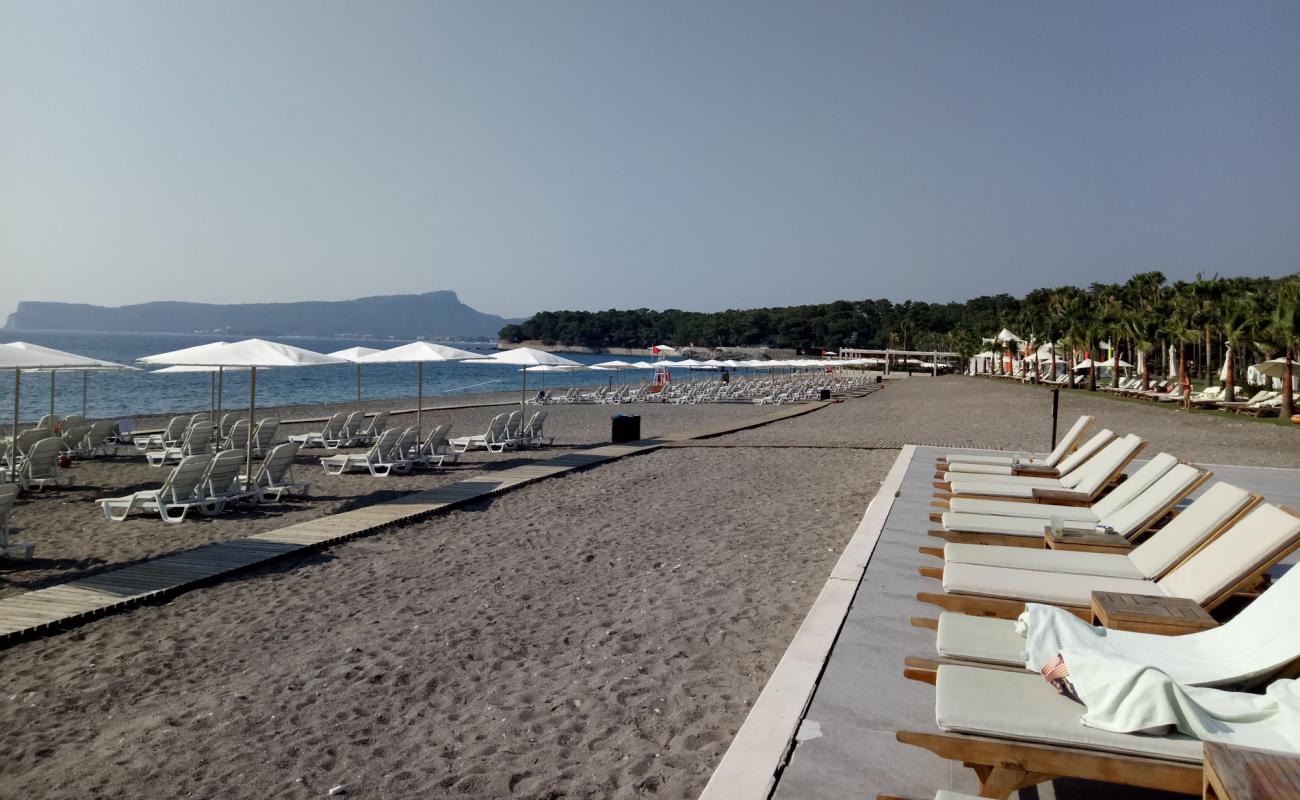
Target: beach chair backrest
pixel 223 473
pixel 1106 466
pixel 228 423
pixel 28 439
pixel 237 438
pixel 436 439
pixel 379 451
pixel 277 463
pixel 1086 451
pixel 175 428
pixel 355 422
pixel 183 484
pixel 43 458
pixel 1251 543
pixel 406 442
pixel 48 421
pixel 512 425
pixel 378 423
pixel 334 424
pixel 197 438
pixel 266 430
pixel 8 496
pixel 74 433
pixel 1134 487
pixel 199 419
pixel 99 432
pixel 1218 506
pixel 495 427
pixel 1071 438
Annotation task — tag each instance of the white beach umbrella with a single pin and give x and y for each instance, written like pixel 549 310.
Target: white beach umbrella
pixel 22 358
pixel 615 364
pixel 96 365
pixel 1276 368
pixel 251 353
pixel 528 358
pixel 355 354
pixel 418 352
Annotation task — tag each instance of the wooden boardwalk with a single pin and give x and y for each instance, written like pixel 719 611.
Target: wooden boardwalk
pixel 46 610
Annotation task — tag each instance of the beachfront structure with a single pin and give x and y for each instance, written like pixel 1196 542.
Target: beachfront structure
pixel 933 361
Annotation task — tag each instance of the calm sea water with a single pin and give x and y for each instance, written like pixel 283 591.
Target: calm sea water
pixel 122 394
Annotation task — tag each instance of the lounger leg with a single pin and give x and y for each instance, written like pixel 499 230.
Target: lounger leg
pixel 1000 782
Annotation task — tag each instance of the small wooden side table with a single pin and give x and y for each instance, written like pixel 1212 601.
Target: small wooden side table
pixel 1087 541
pixel 1168 616
pixel 1236 773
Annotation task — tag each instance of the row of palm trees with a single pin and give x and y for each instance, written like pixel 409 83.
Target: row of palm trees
pixel 1243 319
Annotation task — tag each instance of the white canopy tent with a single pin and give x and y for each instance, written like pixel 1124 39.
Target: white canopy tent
pixel 1109 363
pixel 355 354
pixel 251 353
pixel 418 352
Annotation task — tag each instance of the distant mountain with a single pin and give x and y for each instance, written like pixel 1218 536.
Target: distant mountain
pixel 434 315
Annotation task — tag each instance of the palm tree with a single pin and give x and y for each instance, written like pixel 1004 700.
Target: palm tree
pixel 1237 323
pixel 1082 330
pixel 1284 327
pixel 1183 328
pixel 1145 330
pixel 1110 306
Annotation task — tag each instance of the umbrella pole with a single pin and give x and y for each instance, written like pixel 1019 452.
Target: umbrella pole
pixel 419 404
pixel 52 374
pixel 358 384
pixel 221 376
pixel 248 444
pixel 85 377
pixel 13 443
pixel 212 397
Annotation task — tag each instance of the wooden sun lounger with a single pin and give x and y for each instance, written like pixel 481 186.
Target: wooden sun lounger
pixel 1007 608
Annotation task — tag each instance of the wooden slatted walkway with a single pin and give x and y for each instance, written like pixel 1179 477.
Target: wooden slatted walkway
pixel 46 610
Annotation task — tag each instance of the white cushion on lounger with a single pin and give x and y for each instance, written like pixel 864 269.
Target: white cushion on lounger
pixel 1008 508
pixel 967 468
pixel 944 794
pixel 986 639
pixel 1004 461
pixel 1053 588
pixel 1232 555
pixel 1186 531
pixel 1021 705
pixel 1030 527
pixel 1114 565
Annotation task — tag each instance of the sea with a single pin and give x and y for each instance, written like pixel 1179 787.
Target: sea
pixel 115 395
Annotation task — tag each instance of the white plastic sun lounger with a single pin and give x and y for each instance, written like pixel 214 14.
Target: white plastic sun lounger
pixel 1258 642
pixel 197 439
pixel 170 437
pixel 274 478
pixel 381 460
pixel 1220 506
pixel 1133 507
pixel 1066 445
pixel 328 432
pixel 181 492
pixel 41 468
pixel 1234 560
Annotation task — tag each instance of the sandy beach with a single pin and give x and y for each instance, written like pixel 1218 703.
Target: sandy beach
pixel 600 634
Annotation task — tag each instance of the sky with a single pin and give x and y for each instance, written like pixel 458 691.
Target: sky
pixel 588 155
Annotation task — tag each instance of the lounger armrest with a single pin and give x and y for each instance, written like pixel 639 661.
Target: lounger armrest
pixel 1060 495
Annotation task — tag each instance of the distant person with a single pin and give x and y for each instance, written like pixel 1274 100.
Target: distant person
pixel 726 376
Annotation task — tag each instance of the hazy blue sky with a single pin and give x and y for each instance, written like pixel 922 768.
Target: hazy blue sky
pixel 611 154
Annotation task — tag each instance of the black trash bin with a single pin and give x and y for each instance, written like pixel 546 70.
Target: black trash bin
pixel 826 394
pixel 624 428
